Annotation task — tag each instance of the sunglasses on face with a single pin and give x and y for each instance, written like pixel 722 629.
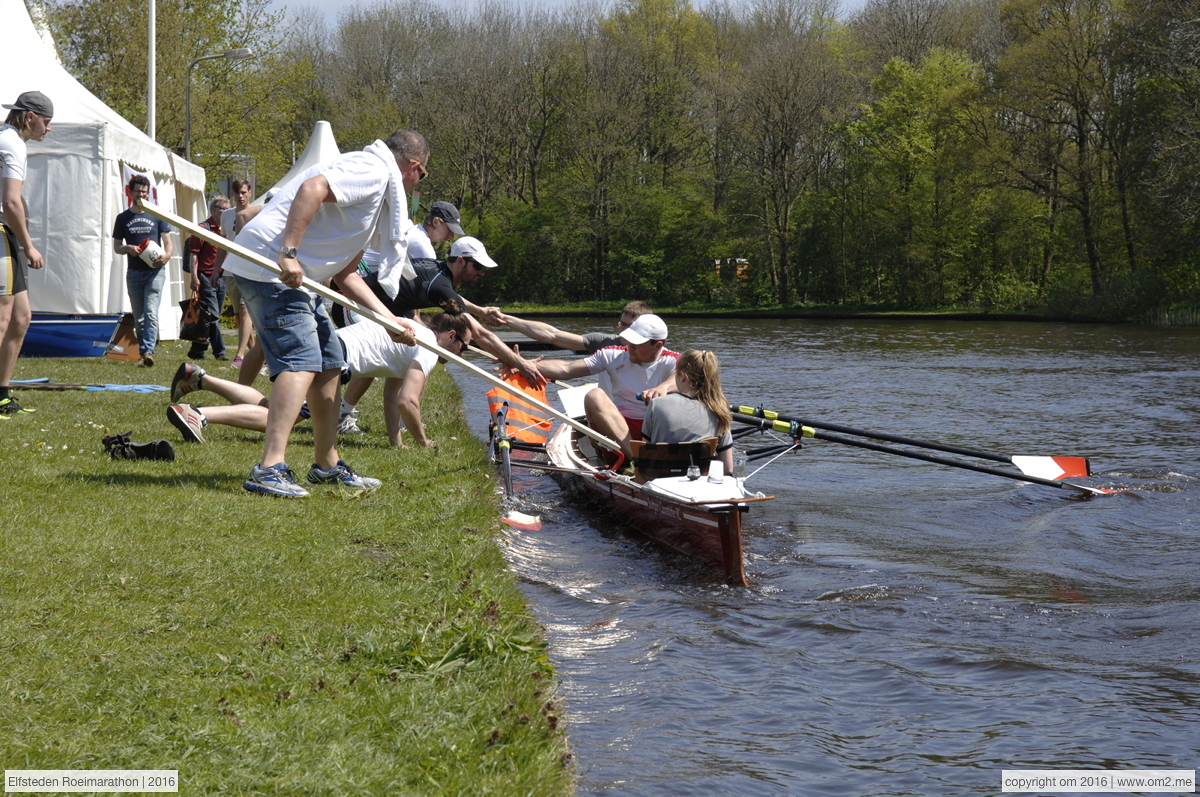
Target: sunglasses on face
pixel 473 264
pixel 422 172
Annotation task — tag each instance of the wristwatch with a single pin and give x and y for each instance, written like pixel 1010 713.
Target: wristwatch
pixel 288 252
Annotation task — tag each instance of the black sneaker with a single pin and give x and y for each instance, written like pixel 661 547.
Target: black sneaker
pixel 10 408
pixel 119 446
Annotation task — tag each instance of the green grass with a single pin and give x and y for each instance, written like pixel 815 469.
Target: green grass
pixel 154 615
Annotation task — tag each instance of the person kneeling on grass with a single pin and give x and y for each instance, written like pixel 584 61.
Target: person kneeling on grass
pixel 370 351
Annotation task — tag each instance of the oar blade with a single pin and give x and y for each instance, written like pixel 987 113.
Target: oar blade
pixel 1053 468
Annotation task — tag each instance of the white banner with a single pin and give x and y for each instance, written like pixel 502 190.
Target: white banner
pixel 1122 781
pixel 128 781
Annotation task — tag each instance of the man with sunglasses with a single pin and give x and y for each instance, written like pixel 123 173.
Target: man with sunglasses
pixel 368 351
pixel 317 227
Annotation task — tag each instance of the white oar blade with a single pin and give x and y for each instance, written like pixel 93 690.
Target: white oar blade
pixel 522 521
pixel 1053 468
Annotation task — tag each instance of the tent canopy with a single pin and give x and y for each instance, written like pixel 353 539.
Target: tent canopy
pixel 74 184
pixel 322 148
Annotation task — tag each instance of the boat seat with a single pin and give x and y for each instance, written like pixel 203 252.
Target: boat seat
pixel 663 460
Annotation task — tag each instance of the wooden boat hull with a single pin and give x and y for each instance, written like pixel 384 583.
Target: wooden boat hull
pixel 711 533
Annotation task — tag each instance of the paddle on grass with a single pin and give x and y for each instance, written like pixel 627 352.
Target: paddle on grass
pixel 319 289
pixel 797 430
pixel 1052 468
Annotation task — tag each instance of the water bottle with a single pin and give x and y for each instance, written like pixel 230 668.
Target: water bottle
pixel 739 465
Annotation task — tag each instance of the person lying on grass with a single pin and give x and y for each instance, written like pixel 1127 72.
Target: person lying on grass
pixel 369 351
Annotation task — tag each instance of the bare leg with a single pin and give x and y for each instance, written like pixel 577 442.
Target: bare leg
pixel 286 398
pixel 14 323
pixel 243 416
pixel 603 416
pixel 245 328
pixel 357 388
pixel 233 392
pixel 323 404
pixel 252 363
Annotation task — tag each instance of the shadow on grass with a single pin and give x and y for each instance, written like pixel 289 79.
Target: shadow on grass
pixel 212 481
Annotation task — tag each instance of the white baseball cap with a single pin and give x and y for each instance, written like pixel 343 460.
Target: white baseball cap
pixel 472 248
pixel 647 327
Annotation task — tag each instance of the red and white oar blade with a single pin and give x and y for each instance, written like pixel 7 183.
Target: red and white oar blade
pixel 1053 468
pixel 522 521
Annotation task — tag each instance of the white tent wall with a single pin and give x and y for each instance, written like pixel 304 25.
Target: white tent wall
pixel 74 184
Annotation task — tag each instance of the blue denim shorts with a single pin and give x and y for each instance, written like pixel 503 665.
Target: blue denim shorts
pixel 294 328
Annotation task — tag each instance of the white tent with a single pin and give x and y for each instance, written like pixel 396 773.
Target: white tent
pixel 74 184
pixel 322 147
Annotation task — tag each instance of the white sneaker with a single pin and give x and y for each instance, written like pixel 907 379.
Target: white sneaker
pixel 189 421
pixel 348 423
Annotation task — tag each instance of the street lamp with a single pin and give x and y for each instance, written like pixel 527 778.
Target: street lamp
pixel 239 54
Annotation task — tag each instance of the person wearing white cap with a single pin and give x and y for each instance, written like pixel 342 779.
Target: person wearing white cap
pixel 434 286
pixel 643 365
pixel 28 118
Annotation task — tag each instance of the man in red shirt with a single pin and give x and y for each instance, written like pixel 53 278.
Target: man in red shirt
pixel 199 259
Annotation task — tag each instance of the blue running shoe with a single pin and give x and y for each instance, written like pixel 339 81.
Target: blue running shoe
pixel 276 480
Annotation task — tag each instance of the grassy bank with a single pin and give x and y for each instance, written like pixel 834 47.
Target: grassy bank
pixel 154 615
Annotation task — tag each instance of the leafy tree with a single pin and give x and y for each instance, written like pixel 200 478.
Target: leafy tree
pixel 237 107
pixel 918 164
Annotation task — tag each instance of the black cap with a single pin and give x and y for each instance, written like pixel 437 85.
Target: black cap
pixel 34 101
pixel 449 214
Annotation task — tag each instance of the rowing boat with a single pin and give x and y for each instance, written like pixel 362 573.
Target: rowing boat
pixel 697 517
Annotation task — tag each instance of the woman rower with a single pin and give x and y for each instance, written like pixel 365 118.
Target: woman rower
pixel 697 410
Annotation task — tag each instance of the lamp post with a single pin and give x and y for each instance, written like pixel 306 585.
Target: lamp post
pixel 238 54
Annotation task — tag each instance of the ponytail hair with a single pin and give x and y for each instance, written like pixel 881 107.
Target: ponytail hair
pixel 19 119
pixel 452 322
pixel 704 373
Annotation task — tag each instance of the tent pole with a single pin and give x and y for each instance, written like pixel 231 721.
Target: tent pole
pixel 151 98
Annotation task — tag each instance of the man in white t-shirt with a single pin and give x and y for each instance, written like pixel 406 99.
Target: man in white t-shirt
pixel 640 366
pixel 28 119
pixel 369 352
pixel 317 227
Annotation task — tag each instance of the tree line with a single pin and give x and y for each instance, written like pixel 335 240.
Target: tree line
pixel 915 154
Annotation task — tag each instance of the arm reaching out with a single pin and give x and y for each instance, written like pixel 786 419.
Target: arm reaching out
pixel 402 401
pixel 491 343
pixel 544 332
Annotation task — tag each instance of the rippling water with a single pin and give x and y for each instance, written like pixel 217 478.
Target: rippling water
pixel 910 629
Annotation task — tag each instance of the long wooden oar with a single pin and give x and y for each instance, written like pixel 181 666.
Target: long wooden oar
pixel 797 430
pixel 319 289
pixel 1052 468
